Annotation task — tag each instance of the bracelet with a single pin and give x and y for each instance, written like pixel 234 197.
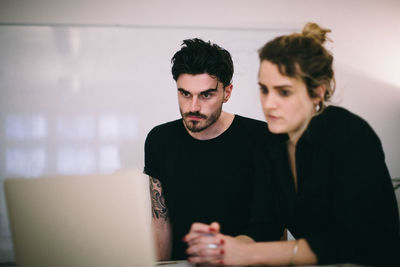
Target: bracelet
pixel 294 252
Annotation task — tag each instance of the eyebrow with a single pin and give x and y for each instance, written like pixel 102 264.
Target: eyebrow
pixel 182 90
pixel 207 91
pixel 262 85
pixel 283 86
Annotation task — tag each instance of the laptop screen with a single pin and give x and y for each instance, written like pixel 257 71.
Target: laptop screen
pixel 96 220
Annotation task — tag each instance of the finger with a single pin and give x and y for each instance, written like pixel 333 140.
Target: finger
pixel 199 227
pixel 204 249
pixel 218 262
pixel 197 230
pixel 212 248
pixel 215 226
pixel 204 239
pixel 195 237
pixel 216 239
pixel 205 228
pixel 215 257
pixel 192 237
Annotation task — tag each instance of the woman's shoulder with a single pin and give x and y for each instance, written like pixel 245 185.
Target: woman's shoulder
pixel 342 117
pixel 342 122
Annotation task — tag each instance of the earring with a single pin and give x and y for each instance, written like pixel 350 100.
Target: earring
pixel 317 107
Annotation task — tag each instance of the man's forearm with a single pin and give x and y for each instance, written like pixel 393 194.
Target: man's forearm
pixel 160 222
pixel 162 238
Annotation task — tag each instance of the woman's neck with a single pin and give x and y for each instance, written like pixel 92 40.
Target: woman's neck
pixel 295 135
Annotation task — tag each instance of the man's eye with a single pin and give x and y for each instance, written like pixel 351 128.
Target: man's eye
pixel 185 94
pixel 206 95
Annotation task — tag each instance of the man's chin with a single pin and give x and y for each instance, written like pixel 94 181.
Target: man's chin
pixel 194 127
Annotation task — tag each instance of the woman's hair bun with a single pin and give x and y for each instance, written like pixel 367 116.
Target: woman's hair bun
pixel 314 31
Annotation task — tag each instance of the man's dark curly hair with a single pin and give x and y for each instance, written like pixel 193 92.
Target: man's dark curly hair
pixel 197 57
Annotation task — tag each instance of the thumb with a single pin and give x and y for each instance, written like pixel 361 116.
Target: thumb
pixel 215 226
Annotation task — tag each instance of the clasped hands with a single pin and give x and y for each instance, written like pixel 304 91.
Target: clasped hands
pixel 207 245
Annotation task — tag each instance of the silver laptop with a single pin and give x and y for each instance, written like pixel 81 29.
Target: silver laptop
pixel 81 221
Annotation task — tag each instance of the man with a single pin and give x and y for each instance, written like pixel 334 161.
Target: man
pixel 201 167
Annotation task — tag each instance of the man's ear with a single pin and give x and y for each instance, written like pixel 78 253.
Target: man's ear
pixel 227 92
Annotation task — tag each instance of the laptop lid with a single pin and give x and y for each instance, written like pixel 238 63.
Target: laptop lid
pixel 94 220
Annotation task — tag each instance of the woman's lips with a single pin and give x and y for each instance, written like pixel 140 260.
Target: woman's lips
pixel 272 117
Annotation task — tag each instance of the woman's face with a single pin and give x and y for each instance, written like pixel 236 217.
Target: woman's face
pixel 286 104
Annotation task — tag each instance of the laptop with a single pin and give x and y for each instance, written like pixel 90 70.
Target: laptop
pixel 81 221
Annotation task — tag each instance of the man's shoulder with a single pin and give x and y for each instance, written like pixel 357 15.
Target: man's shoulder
pixel 165 131
pixel 167 126
pixel 250 121
pixel 252 125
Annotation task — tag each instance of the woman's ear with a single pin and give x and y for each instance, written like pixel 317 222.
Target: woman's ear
pixel 319 94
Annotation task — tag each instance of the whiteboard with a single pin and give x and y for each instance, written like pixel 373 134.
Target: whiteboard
pixel 81 100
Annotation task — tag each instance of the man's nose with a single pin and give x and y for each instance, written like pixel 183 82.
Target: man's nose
pixel 195 104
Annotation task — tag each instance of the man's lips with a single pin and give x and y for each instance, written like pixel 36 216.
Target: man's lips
pixel 195 118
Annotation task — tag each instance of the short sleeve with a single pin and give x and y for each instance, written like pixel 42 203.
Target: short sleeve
pixel 152 154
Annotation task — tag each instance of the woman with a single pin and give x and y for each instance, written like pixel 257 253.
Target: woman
pixel 325 177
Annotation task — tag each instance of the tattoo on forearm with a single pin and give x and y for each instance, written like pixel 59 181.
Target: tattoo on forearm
pixel 159 209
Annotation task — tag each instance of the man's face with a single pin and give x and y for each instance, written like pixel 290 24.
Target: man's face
pixel 200 100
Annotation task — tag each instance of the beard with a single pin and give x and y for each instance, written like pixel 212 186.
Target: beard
pixel 198 126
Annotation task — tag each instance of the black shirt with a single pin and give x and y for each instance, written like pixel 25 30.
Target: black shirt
pixel 205 180
pixel 345 205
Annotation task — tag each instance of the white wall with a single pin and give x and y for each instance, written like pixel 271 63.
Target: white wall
pixel 366 35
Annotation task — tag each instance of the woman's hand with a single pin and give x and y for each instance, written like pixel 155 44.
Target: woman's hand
pixel 204 243
pixel 207 245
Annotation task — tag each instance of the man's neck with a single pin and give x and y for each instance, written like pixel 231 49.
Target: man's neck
pixel 217 128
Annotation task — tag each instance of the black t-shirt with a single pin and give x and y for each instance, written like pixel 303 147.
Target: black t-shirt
pixel 205 180
pixel 345 205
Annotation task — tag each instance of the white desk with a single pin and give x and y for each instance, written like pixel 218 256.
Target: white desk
pixel 187 264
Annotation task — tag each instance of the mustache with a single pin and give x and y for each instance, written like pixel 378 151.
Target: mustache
pixel 197 114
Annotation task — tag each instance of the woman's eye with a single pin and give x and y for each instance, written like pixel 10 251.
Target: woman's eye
pixel 284 92
pixel 263 90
